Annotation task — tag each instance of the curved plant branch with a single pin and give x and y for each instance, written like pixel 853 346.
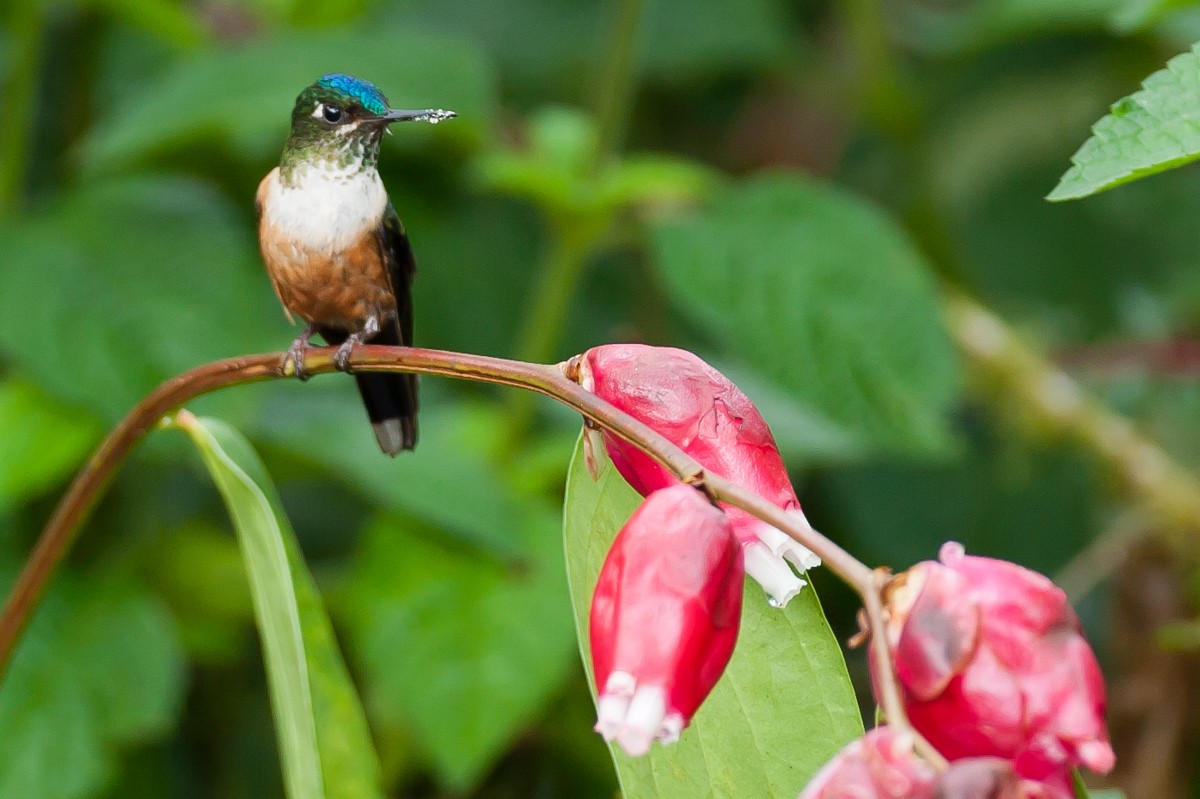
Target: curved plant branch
pixel 1052 402
pixel 553 381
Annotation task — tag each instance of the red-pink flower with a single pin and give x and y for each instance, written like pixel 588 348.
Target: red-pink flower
pixel 664 617
pixel 883 765
pixel 880 765
pixel 992 662
pixel 980 778
pixel 703 413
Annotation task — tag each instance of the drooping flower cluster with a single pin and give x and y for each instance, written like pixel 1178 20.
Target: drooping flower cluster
pixel 993 668
pixel 703 413
pixel 667 605
pixel 996 675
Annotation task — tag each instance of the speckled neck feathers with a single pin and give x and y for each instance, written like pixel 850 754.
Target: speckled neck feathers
pixel 339 154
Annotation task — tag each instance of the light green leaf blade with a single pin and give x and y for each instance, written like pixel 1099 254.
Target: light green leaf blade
pixel 1150 131
pixel 655 179
pixel 824 296
pixel 784 706
pixel 99 668
pixel 324 742
pixel 209 95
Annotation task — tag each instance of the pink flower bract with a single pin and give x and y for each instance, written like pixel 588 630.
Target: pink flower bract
pixel 992 662
pixel 880 765
pixel 664 617
pixel 703 413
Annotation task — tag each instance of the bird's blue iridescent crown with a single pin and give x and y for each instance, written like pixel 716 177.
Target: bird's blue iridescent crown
pixel 365 92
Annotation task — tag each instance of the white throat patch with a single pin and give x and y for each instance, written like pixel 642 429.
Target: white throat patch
pixel 328 207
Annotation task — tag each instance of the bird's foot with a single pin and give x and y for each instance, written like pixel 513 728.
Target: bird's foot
pixel 295 354
pixel 341 358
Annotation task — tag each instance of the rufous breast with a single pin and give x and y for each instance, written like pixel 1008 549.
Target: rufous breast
pixel 319 238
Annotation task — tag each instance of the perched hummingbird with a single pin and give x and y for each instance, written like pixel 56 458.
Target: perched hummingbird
pixel 334 246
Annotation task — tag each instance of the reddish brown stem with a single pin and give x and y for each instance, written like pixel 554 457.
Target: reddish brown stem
pixel 552 381
pixel 1177 357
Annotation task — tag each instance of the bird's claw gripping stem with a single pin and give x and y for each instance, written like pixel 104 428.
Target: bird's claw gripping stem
pixel 296 353
pixel 341 358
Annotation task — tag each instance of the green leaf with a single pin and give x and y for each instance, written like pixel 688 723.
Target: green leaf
pixel 245 97
pixel 653 179
pixel 324 742
pixel 1138 15
pixel 784 706
pixel 554 170
pixel 1148 132
pixel 100 668
pixel 1082 792
pixel 900 513
pixel 967 28
pixel 802 434
pixel 826 297
pixel 41 441
pixel 463 650
pixel 120 285
pixel 170 22
pixel 680 41
pixel 691 40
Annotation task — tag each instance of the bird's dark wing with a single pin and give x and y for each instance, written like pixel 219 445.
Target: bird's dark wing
pixel 402 268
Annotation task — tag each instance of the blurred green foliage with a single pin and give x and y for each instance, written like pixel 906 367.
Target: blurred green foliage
pixel 909 144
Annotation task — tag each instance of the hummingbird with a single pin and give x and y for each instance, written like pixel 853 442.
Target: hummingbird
pixel 334 247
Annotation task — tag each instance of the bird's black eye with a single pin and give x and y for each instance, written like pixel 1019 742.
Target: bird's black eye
pixel 332 114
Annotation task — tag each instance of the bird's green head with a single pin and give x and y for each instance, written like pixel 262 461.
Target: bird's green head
pixel 339 121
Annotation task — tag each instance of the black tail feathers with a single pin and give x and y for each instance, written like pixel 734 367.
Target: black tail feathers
pixel 390 399
pixel 391 402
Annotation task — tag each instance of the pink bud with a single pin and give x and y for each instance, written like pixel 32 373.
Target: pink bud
pixel 992 662
pixel 880 765
pixel 664 617
pixel 980 778
pixel 703 413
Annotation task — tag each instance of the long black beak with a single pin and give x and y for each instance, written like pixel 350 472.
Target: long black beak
pixel 430 115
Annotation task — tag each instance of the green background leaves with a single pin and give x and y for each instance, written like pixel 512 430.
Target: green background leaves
pixel 99 669
pixel 463 647
pixel 195 101
pixel 66 296
pixel 793 185
pixel 824 296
